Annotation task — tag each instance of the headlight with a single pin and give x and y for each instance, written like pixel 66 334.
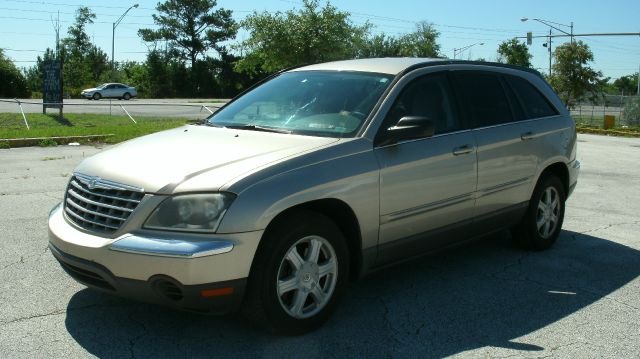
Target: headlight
pixel 190 212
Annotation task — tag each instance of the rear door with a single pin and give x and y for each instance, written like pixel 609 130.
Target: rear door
pixel 506 150
pixel 426 185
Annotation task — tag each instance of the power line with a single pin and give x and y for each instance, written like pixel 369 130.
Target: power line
pixel 20 50
pixel 67 13
pixel 47 34
pixel 73 5
pixel 47 20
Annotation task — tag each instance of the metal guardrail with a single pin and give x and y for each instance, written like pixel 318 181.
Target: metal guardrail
pixel 109 104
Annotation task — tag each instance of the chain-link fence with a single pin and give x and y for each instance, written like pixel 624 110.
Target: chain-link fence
pixel 626 110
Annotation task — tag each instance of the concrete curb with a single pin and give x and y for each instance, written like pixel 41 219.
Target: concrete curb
pixel 35 141
pixel 599 131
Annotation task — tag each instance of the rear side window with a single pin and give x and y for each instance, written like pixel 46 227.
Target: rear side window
pixel 484 98
pixel 533 102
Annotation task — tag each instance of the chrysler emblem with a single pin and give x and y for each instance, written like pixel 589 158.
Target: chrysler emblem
pixel 92 182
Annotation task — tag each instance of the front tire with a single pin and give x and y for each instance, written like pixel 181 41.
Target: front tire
pixel 300 271
pixel 126 96
pixel 542 222
pixel 97 96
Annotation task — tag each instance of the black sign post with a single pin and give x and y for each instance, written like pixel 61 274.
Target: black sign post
pixel 52 86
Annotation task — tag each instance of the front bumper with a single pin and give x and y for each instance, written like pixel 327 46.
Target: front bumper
pixel 192 272
pixel 211 298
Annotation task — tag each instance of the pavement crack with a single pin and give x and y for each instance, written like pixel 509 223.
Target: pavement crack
pixel 385 317
pixel 506 267
pixel 56 312
pixel 35 316
pixel 133 341
pixel 604 227
pixel 23 259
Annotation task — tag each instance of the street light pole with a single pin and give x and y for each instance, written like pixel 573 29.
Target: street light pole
pixel 113 37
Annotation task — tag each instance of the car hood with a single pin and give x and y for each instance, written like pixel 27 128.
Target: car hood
pixel 186 156
pixel 90 90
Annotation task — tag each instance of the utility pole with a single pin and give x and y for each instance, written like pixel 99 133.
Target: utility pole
pixel 549 46
pixel 56 29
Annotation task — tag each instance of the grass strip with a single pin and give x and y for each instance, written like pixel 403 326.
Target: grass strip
pixel 49 125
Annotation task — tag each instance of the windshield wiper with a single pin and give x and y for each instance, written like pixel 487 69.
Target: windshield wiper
pixel 252 127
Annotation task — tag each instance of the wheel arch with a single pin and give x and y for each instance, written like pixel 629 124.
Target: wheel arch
pixel 341 214
pixel 560 170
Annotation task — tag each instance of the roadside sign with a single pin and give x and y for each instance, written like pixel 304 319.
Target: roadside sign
pixel 52 86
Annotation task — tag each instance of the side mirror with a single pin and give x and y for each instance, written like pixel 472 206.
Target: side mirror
pixel 409 128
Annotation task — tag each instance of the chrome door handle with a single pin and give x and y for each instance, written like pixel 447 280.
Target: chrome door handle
pixel 462 150
pixel 527 136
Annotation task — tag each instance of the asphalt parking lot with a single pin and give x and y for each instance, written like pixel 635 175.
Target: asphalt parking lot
pixel 581 299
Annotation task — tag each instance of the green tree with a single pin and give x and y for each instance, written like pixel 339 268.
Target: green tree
pixel 98 63
pixel 84 64
pixel 228 81
pixel 420 43
pixel 423 42
pixel 78 41
pixel 627 84
pixel 380 45
pixel 310 35
pixel 514 52
pixel 12 82
pixel 572 76
pixel 157 77
pixel 35 73
pixel 191 27
pixel 136 75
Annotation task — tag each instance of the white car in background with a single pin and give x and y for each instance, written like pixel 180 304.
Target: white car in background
pixel 110 90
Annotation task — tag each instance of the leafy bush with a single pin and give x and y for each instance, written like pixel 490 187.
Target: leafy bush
pixel 12 82
pixel 4 144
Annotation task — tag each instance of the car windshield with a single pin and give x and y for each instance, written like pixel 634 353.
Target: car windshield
pixel 102 86
pixel 317 103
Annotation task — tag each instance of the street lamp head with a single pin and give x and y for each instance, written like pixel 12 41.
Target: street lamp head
pixel 524 19
pixel 482 43
pixel 136 5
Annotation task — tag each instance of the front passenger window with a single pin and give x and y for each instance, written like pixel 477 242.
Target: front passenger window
pixel 428 96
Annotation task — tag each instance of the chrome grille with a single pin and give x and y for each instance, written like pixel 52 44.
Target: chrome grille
pixel 100 205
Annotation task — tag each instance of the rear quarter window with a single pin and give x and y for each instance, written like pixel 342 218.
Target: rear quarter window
pixel 533 102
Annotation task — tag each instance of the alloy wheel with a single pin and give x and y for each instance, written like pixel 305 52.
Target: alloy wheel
pixel 307 277
pixel 548 212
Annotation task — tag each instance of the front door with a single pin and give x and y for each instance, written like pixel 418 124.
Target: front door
pixel 426 185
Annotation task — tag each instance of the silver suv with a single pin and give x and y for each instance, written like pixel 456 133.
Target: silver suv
pixel 316 176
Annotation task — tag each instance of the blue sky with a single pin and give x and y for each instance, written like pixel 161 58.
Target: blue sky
pixel 26 29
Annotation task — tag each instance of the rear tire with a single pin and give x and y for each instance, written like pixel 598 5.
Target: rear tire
pixel 542 222
pixel 299 272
